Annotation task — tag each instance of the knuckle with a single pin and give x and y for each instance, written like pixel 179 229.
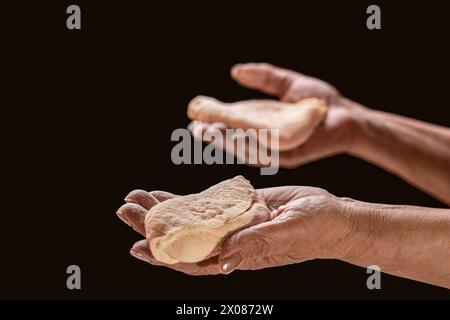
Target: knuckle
pixel 258 245
pixel 261 246
pixel 133 195
pixel 127 208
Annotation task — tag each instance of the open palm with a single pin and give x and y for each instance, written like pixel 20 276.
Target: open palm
pixel 302 226
pixel 331 137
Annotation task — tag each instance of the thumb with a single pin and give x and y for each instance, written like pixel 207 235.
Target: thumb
pixel 257 241
pixel 264 77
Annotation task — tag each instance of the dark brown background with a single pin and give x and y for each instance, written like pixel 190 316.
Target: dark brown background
pixel 91 112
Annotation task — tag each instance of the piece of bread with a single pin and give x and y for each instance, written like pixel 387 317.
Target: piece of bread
pixel 296 121
pixel 190 228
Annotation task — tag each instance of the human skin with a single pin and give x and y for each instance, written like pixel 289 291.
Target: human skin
pixel 309 223
pixel 414 150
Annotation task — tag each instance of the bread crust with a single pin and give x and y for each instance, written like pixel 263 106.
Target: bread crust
pixel 190 228
pixel 296 121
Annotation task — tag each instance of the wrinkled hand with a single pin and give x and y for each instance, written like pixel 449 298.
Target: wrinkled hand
pixel 333 136
pixel 306 223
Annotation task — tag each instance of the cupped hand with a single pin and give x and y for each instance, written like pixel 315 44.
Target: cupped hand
pixel 333 136
pixel 306 223
pixel 133 213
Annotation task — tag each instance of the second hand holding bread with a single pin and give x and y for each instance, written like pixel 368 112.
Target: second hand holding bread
pixel 296 121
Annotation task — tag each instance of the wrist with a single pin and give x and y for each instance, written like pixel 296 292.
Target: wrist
pixel 346 233
pixel 358 122
pixel 369 233
pixel 358 219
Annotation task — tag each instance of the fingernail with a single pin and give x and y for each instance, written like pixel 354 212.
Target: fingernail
pixel 235 70
pixel 231 263
pixel 120 215
pixel 136 254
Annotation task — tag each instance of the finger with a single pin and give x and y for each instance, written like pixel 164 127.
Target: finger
pixel 259 211
pixel 277 196
pixel 133 215
pixel 242 145
pixel 142 198
pixel 206 267
pixel 260 240
pixel 141 251
pixel 214 134
pixel 162 195
pixel 198 128
pixel 264 77
pixel 235 144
